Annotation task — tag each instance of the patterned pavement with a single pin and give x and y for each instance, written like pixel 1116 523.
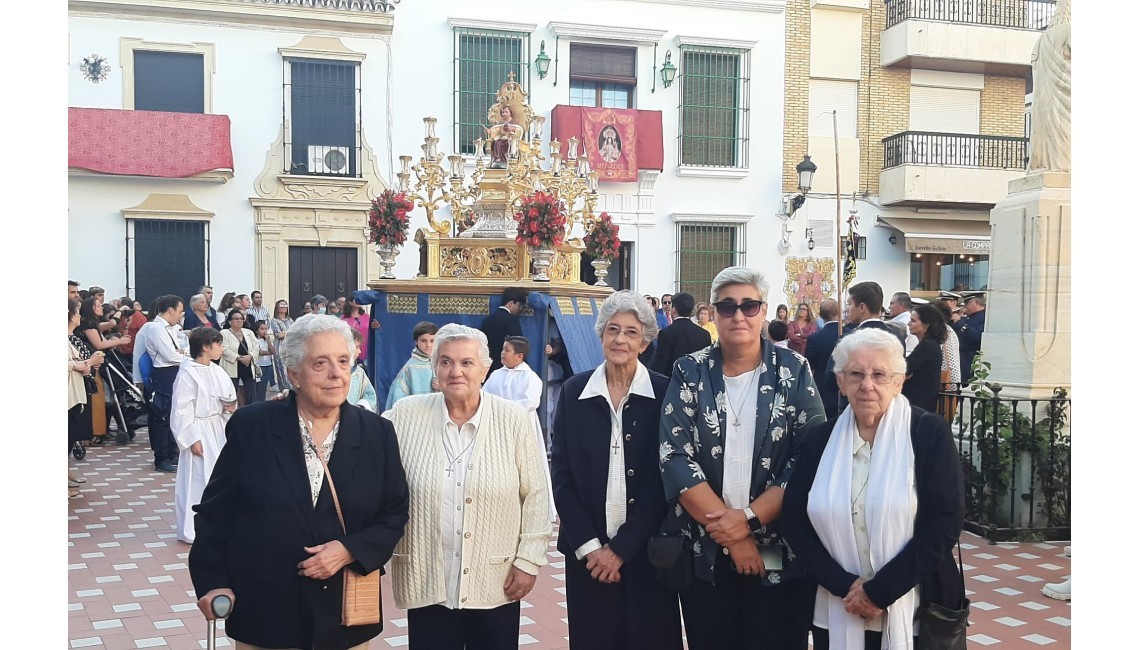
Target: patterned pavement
pixel 128 584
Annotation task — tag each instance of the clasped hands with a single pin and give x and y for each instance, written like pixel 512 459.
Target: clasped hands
pixel 604 565
pixel 857 603
pixel 326 559
pixel 729 528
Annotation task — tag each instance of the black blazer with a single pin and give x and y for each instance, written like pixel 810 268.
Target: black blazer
pixel 257 515
pixel 497 326
pixel 937 525
pixel 579 462
pixel 818 352
pixel 924 370
pixel 833 382
pixel 677 340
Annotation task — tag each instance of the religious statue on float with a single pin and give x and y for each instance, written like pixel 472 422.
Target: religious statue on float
pixel 510 117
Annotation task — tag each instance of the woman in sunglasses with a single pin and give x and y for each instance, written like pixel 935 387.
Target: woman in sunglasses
pixel 731 418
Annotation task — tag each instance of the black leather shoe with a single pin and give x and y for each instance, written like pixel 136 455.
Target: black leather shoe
pixel 165 466
pixel 122 438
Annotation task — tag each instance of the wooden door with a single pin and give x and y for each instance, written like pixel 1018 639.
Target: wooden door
pixel 313 270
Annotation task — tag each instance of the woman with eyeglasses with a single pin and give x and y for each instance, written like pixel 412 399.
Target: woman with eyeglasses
pixel 239 349
pixel 876 504
pixel 732 418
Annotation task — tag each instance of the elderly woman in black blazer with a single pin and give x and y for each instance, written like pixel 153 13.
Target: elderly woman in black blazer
pixel 268 534
pixel 607 488
pixel 875 505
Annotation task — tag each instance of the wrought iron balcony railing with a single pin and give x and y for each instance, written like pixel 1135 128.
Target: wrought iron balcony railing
pixel 955 150
pixel 1015 14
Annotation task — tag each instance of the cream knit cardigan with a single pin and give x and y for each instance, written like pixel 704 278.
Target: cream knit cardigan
pixel 506 521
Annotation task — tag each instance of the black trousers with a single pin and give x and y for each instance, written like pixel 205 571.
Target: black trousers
pixel 636 613
pixel 158 426
pixel 821 641
pixel 438 628
pixel 739 612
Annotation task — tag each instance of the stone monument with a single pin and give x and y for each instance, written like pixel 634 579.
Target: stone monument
pixel 1028 333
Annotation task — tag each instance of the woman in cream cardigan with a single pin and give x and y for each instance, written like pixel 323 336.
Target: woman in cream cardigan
pixel 478 523
pixel 239 349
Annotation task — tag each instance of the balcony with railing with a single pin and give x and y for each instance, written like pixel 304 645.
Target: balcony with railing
pixel 949 169
pixel 980 36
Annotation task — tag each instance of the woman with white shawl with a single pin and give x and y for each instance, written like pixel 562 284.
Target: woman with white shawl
pixel 875 505
pixel 203 397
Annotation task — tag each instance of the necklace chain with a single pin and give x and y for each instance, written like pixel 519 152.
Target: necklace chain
pixel 736 412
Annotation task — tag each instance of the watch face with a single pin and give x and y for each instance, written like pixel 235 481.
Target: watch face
pixel 335 160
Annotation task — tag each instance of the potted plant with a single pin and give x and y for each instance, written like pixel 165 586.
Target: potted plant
pixel 541 222
pixel 603 244
pixel 388 227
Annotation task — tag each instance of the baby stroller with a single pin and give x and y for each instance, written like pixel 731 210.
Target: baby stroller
pixel 125 402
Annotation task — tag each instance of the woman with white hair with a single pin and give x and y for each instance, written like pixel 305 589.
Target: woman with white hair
pixel 479 520
pixel 608 489
pixel 734 414
pixel 305 489
pixel 876 505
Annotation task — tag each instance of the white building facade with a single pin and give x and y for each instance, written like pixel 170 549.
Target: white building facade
pixel 322 96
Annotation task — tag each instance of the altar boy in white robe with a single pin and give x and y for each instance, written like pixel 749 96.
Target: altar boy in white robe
pixel 516 382
pixel 203 398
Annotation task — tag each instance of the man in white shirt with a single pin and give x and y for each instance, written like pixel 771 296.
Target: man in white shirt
pixel 257 311
pixel 900 307
pixel 162 343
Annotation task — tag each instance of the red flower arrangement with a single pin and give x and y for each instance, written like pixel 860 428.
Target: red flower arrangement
pixel 602 242
pixel 541 221
pixel 388 219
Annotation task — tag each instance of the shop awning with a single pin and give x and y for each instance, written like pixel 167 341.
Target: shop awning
pixel 945 236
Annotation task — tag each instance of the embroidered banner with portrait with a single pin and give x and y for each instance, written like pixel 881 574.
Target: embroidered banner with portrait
pixel 617 141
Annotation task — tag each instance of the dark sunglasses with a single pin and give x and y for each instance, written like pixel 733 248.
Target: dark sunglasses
pixel 727 309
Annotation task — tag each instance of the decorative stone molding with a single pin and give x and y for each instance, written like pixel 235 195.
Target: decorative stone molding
pixel 605 33
pixel 496 25
pixel 321 47
pixel 764 6
pixel 712 217
pixel 167 207
pixel 127 48
pixel 712 172
pixel 706 41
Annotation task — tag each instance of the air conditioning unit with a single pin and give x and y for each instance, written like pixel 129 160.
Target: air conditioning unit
pixel 328 160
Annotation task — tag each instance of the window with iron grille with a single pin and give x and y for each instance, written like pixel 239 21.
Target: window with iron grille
pixel 166 257
pixel 169 81
pixel 714 106
pixel 483 61
pixel 705 249
pixel 322 103
pixel 602 75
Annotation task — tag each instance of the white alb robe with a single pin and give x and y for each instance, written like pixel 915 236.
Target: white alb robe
pixel 523 386
pixel 197 416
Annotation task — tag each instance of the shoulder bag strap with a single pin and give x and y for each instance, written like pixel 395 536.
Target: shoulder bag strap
pixel 332 488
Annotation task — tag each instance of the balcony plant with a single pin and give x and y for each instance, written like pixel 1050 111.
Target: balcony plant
pixel 388 227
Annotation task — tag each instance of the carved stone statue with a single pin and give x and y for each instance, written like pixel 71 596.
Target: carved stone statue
pixel 1050 141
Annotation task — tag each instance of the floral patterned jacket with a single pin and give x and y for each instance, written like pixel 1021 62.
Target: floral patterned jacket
pixel 692 421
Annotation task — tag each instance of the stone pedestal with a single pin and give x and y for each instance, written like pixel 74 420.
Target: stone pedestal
pixel 1028 334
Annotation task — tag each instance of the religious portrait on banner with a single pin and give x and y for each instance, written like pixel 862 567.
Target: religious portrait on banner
pixel 809 280
pixel 610 140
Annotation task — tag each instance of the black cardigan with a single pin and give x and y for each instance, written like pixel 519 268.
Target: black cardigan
pixel 937 525
pixel 924 367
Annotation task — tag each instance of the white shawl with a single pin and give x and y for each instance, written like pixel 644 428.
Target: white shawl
pixel 890 508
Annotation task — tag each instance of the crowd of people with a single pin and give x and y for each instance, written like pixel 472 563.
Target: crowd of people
pixel 715 469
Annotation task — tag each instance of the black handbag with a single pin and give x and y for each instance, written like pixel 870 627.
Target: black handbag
pixel 942 626
pixel 672 560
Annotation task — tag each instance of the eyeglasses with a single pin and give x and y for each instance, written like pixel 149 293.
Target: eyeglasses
pixel 856 377
pixel 727 308
pixel 612 332
pixel 237 318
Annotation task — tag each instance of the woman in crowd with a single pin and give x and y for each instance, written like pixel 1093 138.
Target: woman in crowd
pixel 479 523
pixel 417 376
pixel 268 532
pixel 872 528
pixel 78 413
pixel 266 350
pixel 279 324
pixel 203 399
pixel 704 319
pixel 239 349
pixel 951 361
pixel 306 308
pixel 732 418
pixel 198 315
pixel 607 487
pixel 781 314
pixel 801 328
pixel 89 329
pixel 360 392
pixel 229 301
pixel 924 365
pixel 358 320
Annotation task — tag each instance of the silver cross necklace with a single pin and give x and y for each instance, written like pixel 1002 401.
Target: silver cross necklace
pixel 744 398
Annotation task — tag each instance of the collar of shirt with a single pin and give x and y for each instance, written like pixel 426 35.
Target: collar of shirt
pixel 519 368
pixel 858 443
pixel 596 386
pixel 902 318
pixel 474 421
pixel 505 308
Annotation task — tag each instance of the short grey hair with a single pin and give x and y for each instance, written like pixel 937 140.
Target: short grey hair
pixel 196 298
pixel 456 332
pixel 621 302
pixel 739 275
pixel 296 344
pixel 868 339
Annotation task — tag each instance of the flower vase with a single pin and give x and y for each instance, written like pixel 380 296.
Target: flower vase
pixel 601 270
pixel 542 257
pixel 387 253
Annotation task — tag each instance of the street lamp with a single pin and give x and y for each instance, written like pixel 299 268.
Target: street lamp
pixel 806 170
pixel 542 61
pixel 668 71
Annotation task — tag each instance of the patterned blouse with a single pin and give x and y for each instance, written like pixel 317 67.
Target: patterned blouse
pixel 692 443
pixel 313 464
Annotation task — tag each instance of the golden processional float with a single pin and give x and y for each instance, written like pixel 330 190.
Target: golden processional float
pixel 466 261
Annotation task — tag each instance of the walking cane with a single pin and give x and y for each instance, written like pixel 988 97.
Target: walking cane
pixel 221 606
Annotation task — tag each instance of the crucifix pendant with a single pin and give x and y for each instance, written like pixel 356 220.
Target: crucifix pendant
pixel 615 447
pixel 736 422
pixel 449 471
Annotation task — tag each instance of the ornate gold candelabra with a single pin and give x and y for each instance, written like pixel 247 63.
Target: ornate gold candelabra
pixel 432 183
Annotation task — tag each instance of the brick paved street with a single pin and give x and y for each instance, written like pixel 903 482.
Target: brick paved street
pixel 129 587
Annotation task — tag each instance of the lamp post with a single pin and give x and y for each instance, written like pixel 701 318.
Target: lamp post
pixel 806 172
pixel 668 71
pixel 542 61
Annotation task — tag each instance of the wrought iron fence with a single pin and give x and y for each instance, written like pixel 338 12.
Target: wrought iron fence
pixel 1015 455
pixel 955 150
pixel 1017 14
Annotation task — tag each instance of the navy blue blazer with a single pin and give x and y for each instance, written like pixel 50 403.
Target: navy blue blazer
pixel 832 388
pixel 818 352
pixel 579 462
pixel 969 330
